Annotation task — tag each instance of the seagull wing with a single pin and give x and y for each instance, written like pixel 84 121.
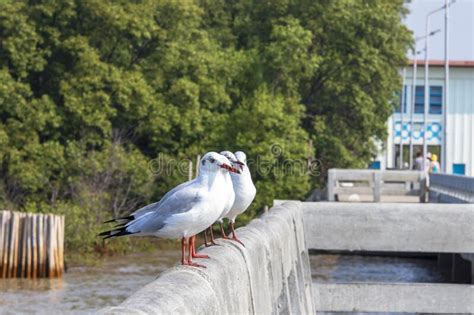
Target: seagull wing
pixel 181 201
pixel 153 206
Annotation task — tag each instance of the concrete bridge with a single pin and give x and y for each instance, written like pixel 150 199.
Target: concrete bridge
pixel 272 275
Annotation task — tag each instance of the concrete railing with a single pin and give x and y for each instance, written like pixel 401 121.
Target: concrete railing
pixel 446 188
pixel 270 275
pixel 376 183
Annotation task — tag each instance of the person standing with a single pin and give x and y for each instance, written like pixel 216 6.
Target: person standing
pixel 434 166
pixel 419 165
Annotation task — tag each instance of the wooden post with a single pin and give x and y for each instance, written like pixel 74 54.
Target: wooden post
pixel 16 230
pixel 45 245
pixel 61 244
pixel 190 170
pixel 34 247
pixel 50 248
pixel 6 243
pixel 31 245
pixel 56 247
pixel 2 237
pixel 28 246
pixel 11 250
pixel 39 218
pixel 198 160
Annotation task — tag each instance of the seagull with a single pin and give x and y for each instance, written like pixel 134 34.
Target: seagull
pixel 228 191
pixel 244 189
pixel 183 212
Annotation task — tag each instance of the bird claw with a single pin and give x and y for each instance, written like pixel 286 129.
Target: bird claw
pixel 200 256
pixel 211 243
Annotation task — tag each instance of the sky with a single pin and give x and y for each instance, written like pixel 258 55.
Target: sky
pixel 461 28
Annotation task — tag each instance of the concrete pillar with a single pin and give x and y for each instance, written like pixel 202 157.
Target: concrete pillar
pixel 377 183
pixel 331 184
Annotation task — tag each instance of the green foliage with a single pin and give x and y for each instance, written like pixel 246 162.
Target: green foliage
pixel 91 92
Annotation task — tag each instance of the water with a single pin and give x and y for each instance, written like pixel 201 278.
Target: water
pixel 355 268
pixel 83 290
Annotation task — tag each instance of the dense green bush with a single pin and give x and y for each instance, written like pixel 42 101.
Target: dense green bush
pixel 93 92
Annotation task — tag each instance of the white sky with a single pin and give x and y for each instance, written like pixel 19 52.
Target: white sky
pixel 461 28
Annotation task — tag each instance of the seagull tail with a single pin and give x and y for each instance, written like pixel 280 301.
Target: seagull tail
pixel 122 231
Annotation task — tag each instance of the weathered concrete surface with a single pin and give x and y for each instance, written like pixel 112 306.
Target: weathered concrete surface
pixel 271 275
pixel 434 228
pixel 395 297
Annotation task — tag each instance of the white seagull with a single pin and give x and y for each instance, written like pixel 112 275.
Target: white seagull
pixel 228 192
pixel 244 189
pixel 185 211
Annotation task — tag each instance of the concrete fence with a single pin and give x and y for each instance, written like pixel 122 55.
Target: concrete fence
pixel 376 183
pixel 446 188
pixel 270 275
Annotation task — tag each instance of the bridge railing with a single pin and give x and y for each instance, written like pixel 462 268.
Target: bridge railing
pixel 446 188
pixel 270 275
pixel 376 183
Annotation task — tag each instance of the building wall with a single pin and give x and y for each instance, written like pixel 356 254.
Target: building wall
pixel 460 118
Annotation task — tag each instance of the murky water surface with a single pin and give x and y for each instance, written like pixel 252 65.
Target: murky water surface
pixel 84 290
pixel 355 268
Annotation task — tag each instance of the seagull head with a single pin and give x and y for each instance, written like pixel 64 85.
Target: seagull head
pixel 241 158
pixel 238 160
pixel 213 162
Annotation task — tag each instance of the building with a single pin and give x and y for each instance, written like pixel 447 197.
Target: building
pixel 460 118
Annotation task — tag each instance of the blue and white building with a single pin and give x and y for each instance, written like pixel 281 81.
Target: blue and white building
pixel 460 119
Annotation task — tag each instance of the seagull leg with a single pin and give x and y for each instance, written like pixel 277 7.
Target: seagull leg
pixel 222 231
pixel 183 251
pixel 212 237
pixel 190 255
pixel 193 251
pixel 234 237
pixel 205 238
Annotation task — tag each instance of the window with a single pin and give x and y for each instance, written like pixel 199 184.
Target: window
pixel 419 99
pixel 436 99
pixel 459 169
pixel 404 97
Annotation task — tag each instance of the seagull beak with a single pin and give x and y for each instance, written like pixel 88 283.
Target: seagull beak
pixel 230 168
pixel 241 165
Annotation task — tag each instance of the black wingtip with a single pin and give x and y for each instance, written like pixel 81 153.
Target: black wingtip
pixel 116 233
pixel 104 233
pixel 127 218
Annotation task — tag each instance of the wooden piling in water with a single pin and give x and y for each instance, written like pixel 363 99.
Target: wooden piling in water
pixel 31 245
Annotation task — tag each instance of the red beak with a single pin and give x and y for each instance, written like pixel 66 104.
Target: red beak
pixel 230 168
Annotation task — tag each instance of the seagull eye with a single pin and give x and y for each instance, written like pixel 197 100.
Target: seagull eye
pixel 212 160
